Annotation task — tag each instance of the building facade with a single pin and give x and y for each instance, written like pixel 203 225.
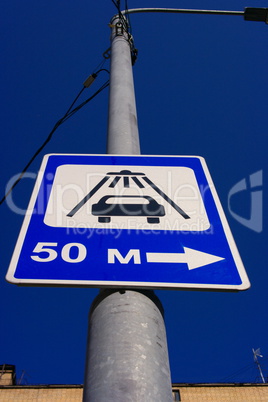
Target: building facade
pixel 11 390
pixel 181 392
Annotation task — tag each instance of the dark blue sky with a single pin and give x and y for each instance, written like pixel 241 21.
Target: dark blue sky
pixel 201 89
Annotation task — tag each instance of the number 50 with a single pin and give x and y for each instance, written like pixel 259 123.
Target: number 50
pixel 52 254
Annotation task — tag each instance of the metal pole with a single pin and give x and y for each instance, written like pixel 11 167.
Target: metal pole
pixel 260 370
pixel 127 355
pixel 256 353
pixel 123 135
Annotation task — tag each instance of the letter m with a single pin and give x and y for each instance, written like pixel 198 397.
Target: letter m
pixel 114 253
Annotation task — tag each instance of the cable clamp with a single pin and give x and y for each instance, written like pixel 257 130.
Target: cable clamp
pixel 107 53
pixel 90 80
pixel 134 56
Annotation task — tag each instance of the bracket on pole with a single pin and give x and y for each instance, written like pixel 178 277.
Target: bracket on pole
pixel 107 54
pixel 119 29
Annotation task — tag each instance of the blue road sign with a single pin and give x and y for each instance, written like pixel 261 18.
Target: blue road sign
pixel 126 221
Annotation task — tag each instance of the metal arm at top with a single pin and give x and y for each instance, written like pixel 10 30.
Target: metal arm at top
pixel 250 13
pixel 180 11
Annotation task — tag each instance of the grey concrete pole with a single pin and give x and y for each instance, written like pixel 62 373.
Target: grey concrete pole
pixel 127 355
pixel 123 135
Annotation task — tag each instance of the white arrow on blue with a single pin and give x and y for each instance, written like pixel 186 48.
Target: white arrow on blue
pixel 193 258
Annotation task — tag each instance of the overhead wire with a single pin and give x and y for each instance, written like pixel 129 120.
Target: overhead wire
pixel 237 373
pixel 100 65
pixel 105 85
pixel 128 17
pixel 75 100
pixel 70 112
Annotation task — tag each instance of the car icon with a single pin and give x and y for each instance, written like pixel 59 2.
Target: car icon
pixel 127 205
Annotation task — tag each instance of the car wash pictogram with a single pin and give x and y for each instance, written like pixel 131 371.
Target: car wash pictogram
pixel 110 206
pixel 126 197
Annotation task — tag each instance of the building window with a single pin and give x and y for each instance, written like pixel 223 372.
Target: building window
pixel 176 395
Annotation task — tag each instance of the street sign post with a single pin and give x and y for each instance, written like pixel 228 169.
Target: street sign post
pixel 126 221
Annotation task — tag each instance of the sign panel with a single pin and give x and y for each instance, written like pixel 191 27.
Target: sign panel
pixel 126 221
